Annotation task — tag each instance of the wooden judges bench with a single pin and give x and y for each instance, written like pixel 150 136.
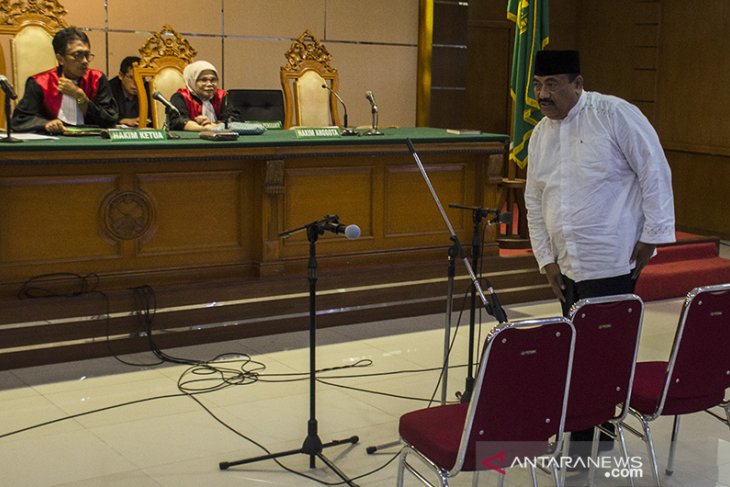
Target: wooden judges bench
pixel 198 222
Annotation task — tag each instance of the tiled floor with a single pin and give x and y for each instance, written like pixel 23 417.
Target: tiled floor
pixel 169 439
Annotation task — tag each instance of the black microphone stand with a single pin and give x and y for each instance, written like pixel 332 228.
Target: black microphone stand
pixel 477 215
pixel 168 133
pixel 312 445
pixel 455 250
pixel 8 138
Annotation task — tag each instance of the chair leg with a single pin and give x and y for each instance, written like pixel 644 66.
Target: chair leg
pixel 566 447
pixel 650 448
pixel 401 466
pixel 533 474
pixel 475 478
pixel 672 447
pixel 594 456
pixel 500 481
pixel 556 476
pixel 727 412
pixel 622 446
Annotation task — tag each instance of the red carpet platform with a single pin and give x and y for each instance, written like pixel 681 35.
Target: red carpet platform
pixel 693 261
pixel 678 268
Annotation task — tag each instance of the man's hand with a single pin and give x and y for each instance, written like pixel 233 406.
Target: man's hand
pixel 68 87
pixel 555 279
pixel 641 255
pixel 202 120
pixel 130 122
pixel 54 127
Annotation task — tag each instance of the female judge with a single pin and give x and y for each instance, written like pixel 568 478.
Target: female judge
pixel 202 104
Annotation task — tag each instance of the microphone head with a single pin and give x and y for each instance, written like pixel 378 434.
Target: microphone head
pixel 369 95
pixel 324 86
pixel 156 94
pixel 352 232
pixel 505 217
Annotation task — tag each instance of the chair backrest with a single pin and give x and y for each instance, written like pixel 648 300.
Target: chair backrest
pixel 698 367
pixel 32 26
pixel 258 105
pixel 162 61
pixel 607 331
pixel 521 391
pixel 308 68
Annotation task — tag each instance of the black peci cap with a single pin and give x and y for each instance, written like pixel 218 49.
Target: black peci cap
pixel 557 62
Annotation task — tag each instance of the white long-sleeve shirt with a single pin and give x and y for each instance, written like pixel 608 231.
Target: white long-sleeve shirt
pixel 597 182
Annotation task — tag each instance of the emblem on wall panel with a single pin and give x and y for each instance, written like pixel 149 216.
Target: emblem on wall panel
pixel 126 215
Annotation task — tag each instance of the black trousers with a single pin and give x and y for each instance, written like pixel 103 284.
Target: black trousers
pixel 593 288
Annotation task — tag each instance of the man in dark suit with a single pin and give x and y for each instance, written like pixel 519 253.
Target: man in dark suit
pixel 125 93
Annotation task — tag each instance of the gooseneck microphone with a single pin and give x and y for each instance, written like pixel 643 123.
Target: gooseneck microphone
pixel 160 97
pixel 374 111
pixel 345 129
pixel 7 88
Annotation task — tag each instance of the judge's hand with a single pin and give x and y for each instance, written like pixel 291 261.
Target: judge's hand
pixel 68 87
pixel 555 279
pixel 641 255
pixel 130 122
pixel 54 127
pixel 202 120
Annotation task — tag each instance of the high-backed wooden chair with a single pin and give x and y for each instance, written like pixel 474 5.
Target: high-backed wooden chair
pixel 162 61
pixel 31 26
pixel 308 68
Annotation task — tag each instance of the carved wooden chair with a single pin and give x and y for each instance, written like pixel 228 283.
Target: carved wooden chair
pixel 31 26
pixel 308 69
pixel 162 61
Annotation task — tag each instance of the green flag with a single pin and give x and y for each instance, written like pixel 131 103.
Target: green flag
pixel 532 31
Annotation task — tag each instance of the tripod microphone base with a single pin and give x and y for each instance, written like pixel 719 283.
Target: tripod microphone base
pixel 10 140
pixel 346 132
pixel 373 131
pixel 313 447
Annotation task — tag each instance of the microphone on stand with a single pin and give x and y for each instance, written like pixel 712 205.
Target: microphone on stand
pixel 503 217
pixel 9 95
pixel 351 232
pixel 169 107
pixel 499 313
pixel 161 98
pixel 329 223
pixel 345 130
pixel 7 88
pixel 374 110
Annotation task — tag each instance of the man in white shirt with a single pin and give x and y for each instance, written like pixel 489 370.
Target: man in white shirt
pixel 599 190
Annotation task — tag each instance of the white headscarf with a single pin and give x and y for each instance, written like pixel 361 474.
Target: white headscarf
pixel 191 73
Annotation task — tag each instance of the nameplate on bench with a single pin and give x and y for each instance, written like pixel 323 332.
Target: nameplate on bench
pixel 305 132
pixel 134 135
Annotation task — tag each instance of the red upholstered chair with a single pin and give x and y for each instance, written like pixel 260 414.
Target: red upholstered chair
pixel 695 376
pixel 518 405
pixel 607 331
